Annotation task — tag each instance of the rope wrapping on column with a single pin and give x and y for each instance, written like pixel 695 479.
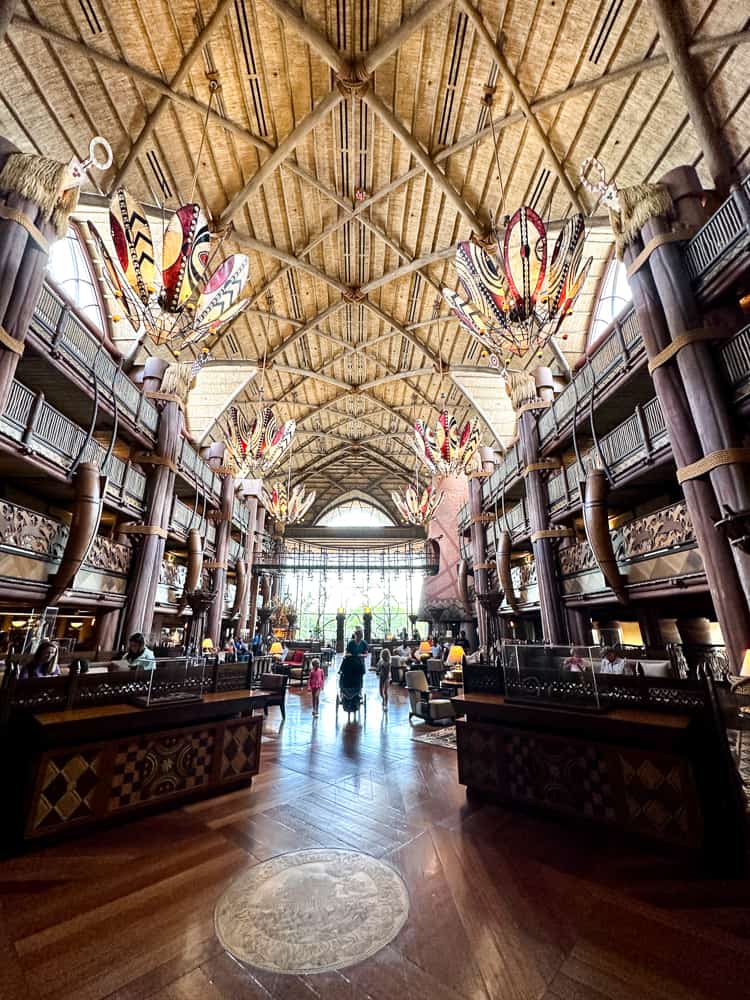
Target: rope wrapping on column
pixel 725 456
pixel 16 346
pixel 696 336
pixel 679 234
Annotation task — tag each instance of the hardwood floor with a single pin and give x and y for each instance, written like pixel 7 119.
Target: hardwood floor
pixel 502 905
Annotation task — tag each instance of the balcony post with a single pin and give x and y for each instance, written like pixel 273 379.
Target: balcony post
pixel 219 565
pixel 149 549
pixel 26 231
pixel 250 489
pixel 479 544
pixel 722 573
pixel 523 392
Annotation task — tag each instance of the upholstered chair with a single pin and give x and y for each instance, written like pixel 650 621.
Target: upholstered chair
pixel 422 704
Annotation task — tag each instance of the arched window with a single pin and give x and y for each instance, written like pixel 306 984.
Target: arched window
pixel 355 514
pixel 69 268
pixel 614 295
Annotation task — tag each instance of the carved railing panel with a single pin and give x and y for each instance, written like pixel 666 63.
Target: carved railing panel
pixel 110 556
pixel 24 529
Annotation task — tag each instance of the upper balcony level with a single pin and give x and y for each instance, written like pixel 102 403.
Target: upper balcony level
pixel 719 253
pixel 638 444
pixel 735 364
pixel 81 356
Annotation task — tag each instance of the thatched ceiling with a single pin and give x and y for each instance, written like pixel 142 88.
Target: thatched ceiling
pixel 291 148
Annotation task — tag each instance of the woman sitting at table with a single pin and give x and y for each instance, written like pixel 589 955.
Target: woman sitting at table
pixel 43 663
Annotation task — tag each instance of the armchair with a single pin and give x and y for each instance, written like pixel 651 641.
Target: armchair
pixel 275 685
pixel 422 704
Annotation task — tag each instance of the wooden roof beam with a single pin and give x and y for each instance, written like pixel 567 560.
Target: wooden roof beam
pixel 314 38
pixel 321 110
pixel 188 60
pixel 387 116
pixel 390 321
pixel 259 246
pixel 520 99
pixel 669 17
pixel 311 324
pixel 385 48
pixel 140 76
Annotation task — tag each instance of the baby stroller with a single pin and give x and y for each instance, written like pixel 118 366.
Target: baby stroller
pixel 351 677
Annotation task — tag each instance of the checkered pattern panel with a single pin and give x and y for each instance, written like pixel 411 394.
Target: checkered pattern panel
pixel 241 751
pixel 559 774
pixel 657 789
pixel 69 784
pixel 126 780
pixel 152 767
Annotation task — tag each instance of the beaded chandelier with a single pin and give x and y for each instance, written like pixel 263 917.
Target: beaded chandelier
pixel 414 510
pixel 447 452
pixel 287 507
pixel 187 299
pixel 518 300
pixel 256 448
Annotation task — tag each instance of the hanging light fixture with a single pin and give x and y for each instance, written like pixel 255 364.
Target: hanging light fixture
pixel 189 298
pixel 518 295
pixel 255 448
pixel 416 510
pixel 287 507
pixel 447 452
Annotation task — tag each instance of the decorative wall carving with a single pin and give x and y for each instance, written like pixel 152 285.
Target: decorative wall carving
pixel 25 529
pixel 576 558
pixel 664 529
pixel 172 574
pixel 110 556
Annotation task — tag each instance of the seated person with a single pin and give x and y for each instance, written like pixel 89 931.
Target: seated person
pixel 436 652
pixel 138 654
pixel 612 662
pixel 43 663
pixel 403 651
pixel 574 663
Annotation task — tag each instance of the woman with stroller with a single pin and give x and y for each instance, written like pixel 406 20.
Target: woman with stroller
pixel 351 674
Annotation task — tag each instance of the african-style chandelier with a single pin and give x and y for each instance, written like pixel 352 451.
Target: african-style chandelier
pixel 447 452
pixel 287 507
pixel 187 300
pixel 416 510
pixel 517 304
pixel 256 448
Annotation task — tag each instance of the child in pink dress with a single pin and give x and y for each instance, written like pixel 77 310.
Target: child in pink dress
pixel 315 684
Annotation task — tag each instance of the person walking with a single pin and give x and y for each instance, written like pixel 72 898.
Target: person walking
pixel 315 684
pixel 383 670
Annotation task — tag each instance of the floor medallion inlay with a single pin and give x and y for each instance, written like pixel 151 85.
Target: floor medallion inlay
pixel 312 911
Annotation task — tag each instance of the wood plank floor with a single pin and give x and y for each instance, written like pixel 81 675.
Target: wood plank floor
pixel 502 905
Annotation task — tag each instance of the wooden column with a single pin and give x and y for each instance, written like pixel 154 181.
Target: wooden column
pixel 670 18
pixel 721 570
pixel 252 512
pixel 254 580
pixel 24 252
pixel 107 622
pixel 149 550
pixel 479 556
pixel 223 526
pixel 705 390
pixel 550 601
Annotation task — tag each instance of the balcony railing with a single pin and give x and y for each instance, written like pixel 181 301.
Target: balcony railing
pixel 194 469
pixel 464 518
pixel 505 474
pixel 613 357
pixel 184 517
pixel 735 360
pixel 60 328
pixel 42 430
pixel 637 438
pixel 721 241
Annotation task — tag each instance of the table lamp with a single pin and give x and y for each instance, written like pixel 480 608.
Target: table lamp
pixel 276 648
pixel 455 656
pixel 745 671
pixel 425 648
pixel 207 645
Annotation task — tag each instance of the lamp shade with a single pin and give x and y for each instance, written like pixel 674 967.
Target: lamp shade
pixel 276 649
pixel 425 647
pixel 745 671
pixel 340 611
pixel 207 644
pixel 455 656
